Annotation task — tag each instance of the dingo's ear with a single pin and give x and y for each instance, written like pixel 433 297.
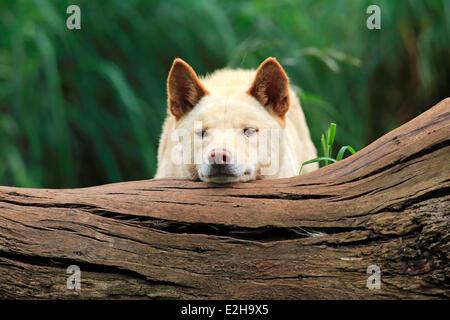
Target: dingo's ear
pixel 184 89
pixel 271 87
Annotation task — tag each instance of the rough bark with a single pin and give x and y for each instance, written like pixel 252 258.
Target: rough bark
pixel 387 205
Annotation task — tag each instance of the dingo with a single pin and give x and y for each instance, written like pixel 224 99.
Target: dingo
pixel 233 125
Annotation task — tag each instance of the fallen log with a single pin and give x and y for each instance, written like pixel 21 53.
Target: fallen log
pixel 308 237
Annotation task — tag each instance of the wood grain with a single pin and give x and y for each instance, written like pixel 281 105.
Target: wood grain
pixel 307 237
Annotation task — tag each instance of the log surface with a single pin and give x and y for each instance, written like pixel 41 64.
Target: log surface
pixel 308 237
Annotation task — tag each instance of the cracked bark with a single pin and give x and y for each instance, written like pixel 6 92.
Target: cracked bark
pixel 387 205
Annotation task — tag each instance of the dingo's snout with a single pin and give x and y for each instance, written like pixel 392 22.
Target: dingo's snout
pixel 219 157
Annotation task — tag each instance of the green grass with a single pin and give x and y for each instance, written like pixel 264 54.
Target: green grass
pixel 85 107
pixel 326 143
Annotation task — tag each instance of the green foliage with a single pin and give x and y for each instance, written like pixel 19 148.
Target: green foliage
pixel 85 107
pixel 326 142
pixel 341 152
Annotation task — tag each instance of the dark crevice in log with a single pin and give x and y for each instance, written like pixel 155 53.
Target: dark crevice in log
pixel 178 202
pixel 16 194
pixel 49 205
pixel 262 234
pixel 297 277
pixel 282 196
pixel 122 193
pixel 404 204
pixel 64 263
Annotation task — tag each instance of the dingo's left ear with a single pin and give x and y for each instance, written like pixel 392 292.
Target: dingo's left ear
pixel 184 89
pixel 271 87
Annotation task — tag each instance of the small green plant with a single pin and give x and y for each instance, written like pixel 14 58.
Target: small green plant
pixel 326 142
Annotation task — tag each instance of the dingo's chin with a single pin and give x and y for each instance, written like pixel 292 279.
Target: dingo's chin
pixel 225 174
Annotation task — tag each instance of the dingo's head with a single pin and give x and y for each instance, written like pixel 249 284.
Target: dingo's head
pixel 229 132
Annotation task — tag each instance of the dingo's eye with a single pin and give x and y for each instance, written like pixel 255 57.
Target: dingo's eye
pixel 249 131
pixel 201 133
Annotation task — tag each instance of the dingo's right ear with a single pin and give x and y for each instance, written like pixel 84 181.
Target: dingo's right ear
pixel 184 89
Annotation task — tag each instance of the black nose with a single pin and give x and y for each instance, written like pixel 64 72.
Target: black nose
pixel 219 157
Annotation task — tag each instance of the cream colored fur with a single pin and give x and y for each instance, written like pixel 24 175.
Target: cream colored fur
pixel 229 106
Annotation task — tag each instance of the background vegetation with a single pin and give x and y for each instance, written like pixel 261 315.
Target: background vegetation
pixel 85 107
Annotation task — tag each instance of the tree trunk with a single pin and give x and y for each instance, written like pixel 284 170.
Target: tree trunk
pixel 307 237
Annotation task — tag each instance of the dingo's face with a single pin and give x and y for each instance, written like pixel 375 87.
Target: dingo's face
pixel 228 135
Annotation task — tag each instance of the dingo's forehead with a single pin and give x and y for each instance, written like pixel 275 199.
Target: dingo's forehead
pixel 230 111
